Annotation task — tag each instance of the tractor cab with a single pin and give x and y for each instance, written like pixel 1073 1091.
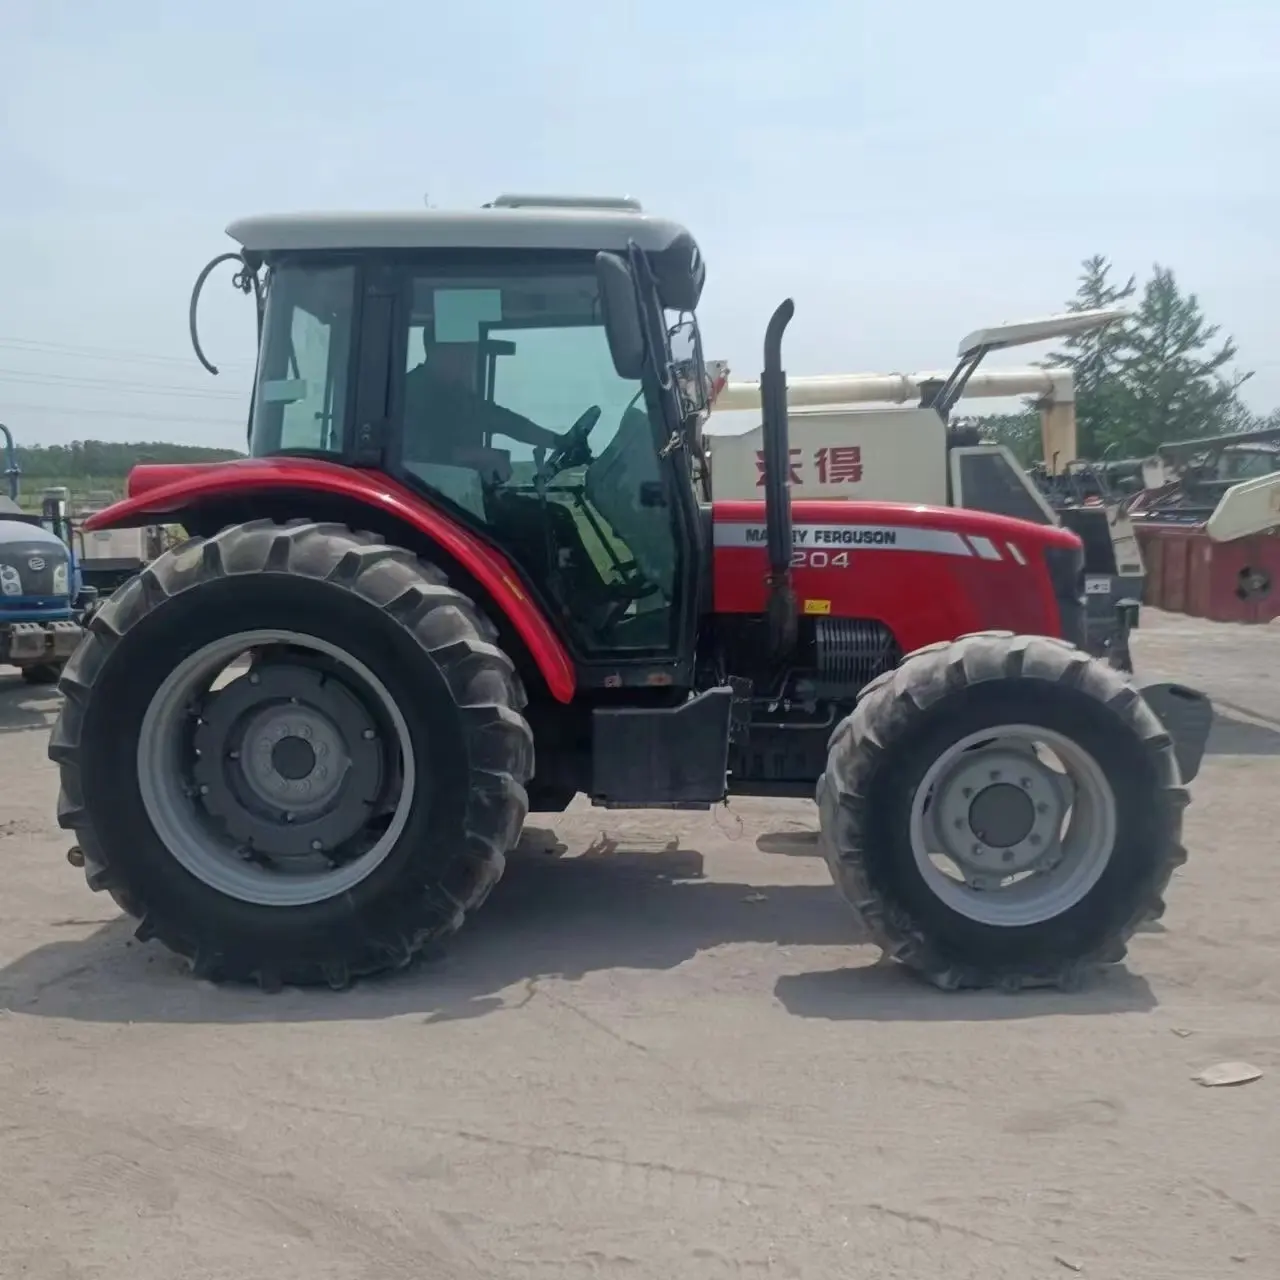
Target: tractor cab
pixel 474 359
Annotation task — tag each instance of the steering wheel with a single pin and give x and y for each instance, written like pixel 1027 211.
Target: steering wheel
pixel 573 450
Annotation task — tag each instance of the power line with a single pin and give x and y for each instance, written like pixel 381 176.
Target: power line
pixel 74 411
pixel 72 381
pixel 105 353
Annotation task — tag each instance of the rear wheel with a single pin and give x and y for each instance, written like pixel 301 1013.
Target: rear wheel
pixel 1002 811
pixel 329 765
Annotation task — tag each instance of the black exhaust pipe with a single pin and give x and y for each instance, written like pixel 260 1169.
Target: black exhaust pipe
pixel 777 491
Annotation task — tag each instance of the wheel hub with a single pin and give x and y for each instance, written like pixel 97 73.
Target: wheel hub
pixel 999 812
pixel 288 760
pixel 1002 815
pixel 293 758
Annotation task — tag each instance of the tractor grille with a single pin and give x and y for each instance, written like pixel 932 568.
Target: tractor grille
pixel 36 582
pixel 853 651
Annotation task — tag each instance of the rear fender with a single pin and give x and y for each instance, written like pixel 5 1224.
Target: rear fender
pixel 206 498
pixel 1187 715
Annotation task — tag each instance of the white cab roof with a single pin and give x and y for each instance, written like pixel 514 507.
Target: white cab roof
pixel 511 222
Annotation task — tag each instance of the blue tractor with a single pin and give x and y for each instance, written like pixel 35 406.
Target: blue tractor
pixel 43 604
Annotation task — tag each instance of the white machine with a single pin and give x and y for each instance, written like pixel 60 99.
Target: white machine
pixel 1252 506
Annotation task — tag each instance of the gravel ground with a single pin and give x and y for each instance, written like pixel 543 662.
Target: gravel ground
pixel 660 1051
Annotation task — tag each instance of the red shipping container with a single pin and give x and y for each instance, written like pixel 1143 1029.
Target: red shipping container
pixel 1176 544
pixel 1199 599
pixel 1152 547
pixel 1259 581
pixel 1226 581
pixel 1235 581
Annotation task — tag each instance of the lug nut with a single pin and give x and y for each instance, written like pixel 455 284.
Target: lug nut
pixel 75 856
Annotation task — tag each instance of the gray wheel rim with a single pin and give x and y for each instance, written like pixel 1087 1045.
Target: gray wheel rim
pixel 165 781
pixel 1029 841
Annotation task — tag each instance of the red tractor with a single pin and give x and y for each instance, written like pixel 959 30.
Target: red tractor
pixel 472 569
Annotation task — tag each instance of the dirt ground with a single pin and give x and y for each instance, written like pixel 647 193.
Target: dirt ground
pixel 659 1051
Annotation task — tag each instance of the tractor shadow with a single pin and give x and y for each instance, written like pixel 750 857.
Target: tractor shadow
pixel 552 917
pixel 23 707
pixel 1234 735
pixel 884 992
pixel 800 842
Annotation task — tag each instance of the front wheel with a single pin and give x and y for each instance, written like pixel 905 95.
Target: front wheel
pixel 293 753
pixel 1002 811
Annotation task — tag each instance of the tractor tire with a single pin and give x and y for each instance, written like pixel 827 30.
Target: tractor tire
pixel 939 759
pixel 42 673
pixel 367 655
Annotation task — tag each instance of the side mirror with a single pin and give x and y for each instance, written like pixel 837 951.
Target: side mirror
pixel 620 311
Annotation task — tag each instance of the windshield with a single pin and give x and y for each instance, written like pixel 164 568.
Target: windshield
pixel 299 402
pixel 514 416
pixel 1244 464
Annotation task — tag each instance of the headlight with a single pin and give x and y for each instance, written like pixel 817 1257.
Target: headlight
pixel 60 580
pixel 10 581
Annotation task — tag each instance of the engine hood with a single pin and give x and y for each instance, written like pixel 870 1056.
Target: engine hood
pixel 24 536
pixel 34 554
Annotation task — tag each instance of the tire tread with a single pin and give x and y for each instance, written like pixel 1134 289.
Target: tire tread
pixel 885 709
pixel 448 627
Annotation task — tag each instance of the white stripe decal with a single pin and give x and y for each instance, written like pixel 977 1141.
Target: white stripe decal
pixel 985 548
pixel 849 537
pixel 1015 553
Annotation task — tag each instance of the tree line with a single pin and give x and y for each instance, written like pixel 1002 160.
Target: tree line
pixel 88 460
pixel 1164 374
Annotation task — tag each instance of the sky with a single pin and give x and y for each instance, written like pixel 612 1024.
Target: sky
pixel 907 173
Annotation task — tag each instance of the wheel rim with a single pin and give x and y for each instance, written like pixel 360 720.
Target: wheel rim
pixel 274 788
pixel 1024 815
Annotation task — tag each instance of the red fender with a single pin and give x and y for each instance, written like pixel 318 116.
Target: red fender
pixel 159 492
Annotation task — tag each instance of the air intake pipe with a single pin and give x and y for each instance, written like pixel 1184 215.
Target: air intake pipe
pixel 777 491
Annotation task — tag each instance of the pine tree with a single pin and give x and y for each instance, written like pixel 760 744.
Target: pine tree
pixel 1095 358
pixel 1173 380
